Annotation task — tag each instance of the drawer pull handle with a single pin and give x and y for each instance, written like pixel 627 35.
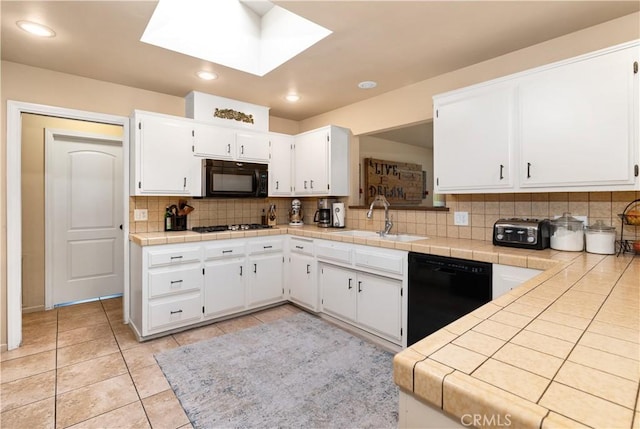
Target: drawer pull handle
pixel 300 247
pixel 227 251
pixel 350 287
pixel 176 257
pixel 308 267
pixel 176 281
pixel 267 247
pixel 240 270
pixel 359 286
pixel 177 311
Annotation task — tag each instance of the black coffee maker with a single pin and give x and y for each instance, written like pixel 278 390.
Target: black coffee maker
pixel 323 216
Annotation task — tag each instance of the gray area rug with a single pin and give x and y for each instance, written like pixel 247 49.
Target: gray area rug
pixel 297 372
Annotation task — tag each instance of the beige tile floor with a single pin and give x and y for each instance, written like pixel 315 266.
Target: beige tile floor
pixel 81 367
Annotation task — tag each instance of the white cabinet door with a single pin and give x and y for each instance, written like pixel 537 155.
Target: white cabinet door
pixel 303 286
pixel 473 139
pixel 338 288
pixel 162 155
pixel 252 147
pixel 577 123
pixel 506 277
pixel 214 142
pixel 311 153
pixel 224 287
pixel 379 304
pixel 280 165
pixel 265 279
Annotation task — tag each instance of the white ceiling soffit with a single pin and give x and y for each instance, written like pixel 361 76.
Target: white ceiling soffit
pixel 255 37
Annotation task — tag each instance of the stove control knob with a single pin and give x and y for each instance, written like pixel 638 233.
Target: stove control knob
pixel 500 236
pixel 530 239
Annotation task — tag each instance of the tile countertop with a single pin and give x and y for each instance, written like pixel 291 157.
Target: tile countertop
pixel 560 351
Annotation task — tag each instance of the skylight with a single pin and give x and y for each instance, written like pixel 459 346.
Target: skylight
pixel 253 36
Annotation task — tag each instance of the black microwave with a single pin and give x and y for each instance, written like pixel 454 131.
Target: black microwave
pixel 234 179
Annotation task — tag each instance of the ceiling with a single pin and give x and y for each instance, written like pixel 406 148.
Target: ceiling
pixel 395 43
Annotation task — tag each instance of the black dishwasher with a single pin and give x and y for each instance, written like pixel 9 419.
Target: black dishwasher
pixel 442 290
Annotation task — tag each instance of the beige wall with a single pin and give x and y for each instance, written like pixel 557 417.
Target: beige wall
pixel 33 213
pixel 373 147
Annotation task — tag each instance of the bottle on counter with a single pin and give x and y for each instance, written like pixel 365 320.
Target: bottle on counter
pixel 263 218
pixel 168 220
pixel 272 217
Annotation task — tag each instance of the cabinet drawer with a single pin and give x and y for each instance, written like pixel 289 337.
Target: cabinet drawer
pixel 226 250
pixel 175 311
pixel 173 256
pixel 265 246
pixel 304 247
pixel 391 263
pixel 171 281
pixel 333 251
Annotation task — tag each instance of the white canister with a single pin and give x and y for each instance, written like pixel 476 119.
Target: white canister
pixel 338 215
pixel 601 238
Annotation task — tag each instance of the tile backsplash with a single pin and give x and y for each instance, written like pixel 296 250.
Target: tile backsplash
pixel 483 210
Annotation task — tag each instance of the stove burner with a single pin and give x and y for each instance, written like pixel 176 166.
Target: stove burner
pixel 234 227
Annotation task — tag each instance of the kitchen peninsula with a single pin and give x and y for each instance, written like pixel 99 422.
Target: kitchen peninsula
pixel 561 350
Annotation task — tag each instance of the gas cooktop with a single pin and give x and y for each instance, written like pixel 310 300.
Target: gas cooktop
pixel 235 227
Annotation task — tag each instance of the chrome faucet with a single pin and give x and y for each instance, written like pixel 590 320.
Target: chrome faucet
pixel 380 199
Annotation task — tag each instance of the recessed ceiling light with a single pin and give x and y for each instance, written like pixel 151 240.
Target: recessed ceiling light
pixel 207 75
pixel 36 29
pixel 292 97
pixel 367 84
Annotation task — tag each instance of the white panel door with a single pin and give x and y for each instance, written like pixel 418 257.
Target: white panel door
pixel 576 123
pixel 84 216
pixel 379 304
pixel 337 286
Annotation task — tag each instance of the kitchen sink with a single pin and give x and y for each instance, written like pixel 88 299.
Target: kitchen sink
pixel 372 234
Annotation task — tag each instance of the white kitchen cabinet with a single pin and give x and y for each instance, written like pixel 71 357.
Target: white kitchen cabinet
pixel 166 287
pixel 214 142
pixel 224 290
pixel 221 143
pixel 252 147
pixel 280 165
pixel 224 277
pixel 371 302
pixel 576 123
pixel 568 126
pixel 321 162
pixel 303 284
pixel 380 305
pixel 363 286
pixel 266 272
pixel 507 277
pixel 161 155
pixel 473 131
pixel 338 291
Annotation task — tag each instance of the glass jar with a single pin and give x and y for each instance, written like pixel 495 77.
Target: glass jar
pixel 601 238
pixel 567 233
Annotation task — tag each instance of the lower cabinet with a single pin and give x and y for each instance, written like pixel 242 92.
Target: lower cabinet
pixel 223 287
pixel 265 279
pixel 373 302
pixel 303 286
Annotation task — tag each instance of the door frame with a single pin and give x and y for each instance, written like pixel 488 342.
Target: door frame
pixel 15 109
pixel 49 143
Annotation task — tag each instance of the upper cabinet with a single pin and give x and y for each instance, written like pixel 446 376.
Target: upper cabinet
pixel 477 155
pixel 568 126
pixel 321 162
pixel 577 123
pixel 280 165
pixel 161 155
pixel 215 142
